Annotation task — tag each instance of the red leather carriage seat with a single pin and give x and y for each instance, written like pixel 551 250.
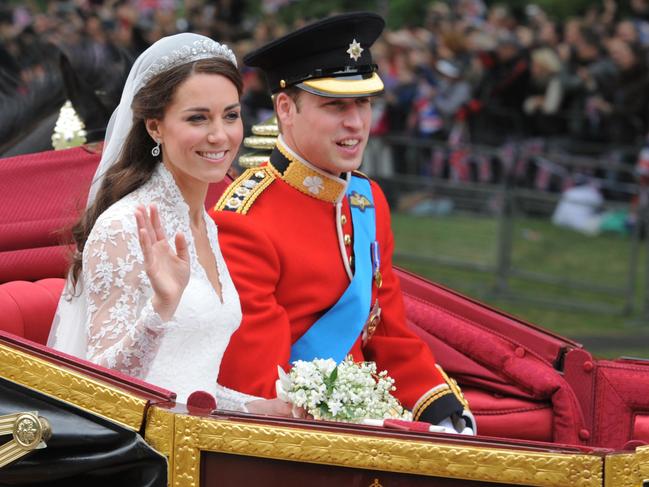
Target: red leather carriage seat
pixel 510 417
pixel 41 196
pixel 27 308
pixel 615 398
pixel 506 367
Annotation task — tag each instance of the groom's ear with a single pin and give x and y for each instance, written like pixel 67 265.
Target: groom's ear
pixel 153 127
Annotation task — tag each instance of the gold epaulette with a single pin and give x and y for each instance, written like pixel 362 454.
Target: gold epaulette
pixel 244 190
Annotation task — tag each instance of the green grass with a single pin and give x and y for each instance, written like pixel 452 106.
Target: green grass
pixel 538 247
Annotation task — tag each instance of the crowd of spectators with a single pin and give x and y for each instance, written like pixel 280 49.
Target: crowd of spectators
pixel 469 72
pixel 505 73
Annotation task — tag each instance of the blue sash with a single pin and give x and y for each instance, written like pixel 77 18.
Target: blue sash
pixel 334 334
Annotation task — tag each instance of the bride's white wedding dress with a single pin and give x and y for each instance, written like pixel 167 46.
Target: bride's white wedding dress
pixel 123 331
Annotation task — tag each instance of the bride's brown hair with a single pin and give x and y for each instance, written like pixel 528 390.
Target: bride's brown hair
pixel 135 164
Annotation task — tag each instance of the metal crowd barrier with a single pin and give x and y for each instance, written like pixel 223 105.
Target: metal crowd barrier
pixel 406 167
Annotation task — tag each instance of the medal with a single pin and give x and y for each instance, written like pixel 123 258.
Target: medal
pixel 376 264
pixel 372 322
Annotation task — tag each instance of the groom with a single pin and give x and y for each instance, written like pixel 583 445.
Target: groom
pixel 307 239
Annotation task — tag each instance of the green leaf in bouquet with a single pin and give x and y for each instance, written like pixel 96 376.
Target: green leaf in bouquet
pixel 331 380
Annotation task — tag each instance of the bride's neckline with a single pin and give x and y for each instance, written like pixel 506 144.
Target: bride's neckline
pixel 179 206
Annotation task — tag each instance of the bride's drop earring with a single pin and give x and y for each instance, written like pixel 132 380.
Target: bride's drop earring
pixel 155 152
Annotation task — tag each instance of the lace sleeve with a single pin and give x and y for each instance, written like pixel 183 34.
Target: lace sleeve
pixel 231 400
pixel 122 325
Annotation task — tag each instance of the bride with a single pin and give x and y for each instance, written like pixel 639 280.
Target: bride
pixel 148 291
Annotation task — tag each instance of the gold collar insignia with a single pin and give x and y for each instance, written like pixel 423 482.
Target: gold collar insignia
pixel 309 180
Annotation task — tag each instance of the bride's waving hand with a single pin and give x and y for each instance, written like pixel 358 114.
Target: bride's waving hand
pixel 168 269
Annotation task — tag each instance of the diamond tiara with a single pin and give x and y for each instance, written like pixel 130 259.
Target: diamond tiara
pixel 202 49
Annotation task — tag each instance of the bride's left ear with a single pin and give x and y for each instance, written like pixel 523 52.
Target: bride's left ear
pixel 153 127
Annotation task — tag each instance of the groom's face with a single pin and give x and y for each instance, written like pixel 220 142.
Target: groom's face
pixel 330 133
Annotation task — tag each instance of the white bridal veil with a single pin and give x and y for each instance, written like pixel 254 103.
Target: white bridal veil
pixel 69 329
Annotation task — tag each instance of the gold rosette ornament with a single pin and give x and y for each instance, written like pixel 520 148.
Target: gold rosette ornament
pixel 30 432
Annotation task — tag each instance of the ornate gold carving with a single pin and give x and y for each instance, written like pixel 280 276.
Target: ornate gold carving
pixel 30 432
pixel 376 483
pixel 72 387
pixel 627 469
pixel 194 434
pixel 187 451
pixel 264 138
pixel 255 142
pixel 253 160
pixel 268 128
pixel 159 430
pixel 159 433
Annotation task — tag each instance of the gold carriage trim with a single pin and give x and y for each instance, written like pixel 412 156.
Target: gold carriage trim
pixel 244 190
pixel 266 134
pixel 195 435
pixel 30 432
pixel 72 387
pixel 268 128
pixel 159 433
pixel 260 142
pixel 253 159
pixel 627 469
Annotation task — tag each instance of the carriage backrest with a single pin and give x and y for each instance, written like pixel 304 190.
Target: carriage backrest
pixel 42 196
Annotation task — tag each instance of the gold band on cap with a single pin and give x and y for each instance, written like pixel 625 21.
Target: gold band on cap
pixel 342 87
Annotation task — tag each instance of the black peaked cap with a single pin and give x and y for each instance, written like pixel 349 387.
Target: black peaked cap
pixel 323 49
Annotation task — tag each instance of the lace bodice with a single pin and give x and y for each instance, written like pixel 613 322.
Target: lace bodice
pixel 124 333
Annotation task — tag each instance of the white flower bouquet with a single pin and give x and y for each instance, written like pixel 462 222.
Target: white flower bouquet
pixel 348 392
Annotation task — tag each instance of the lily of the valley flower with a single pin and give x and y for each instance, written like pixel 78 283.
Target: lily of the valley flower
pixel 348 391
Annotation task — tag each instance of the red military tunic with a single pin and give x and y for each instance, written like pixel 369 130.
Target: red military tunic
pixel 286 234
